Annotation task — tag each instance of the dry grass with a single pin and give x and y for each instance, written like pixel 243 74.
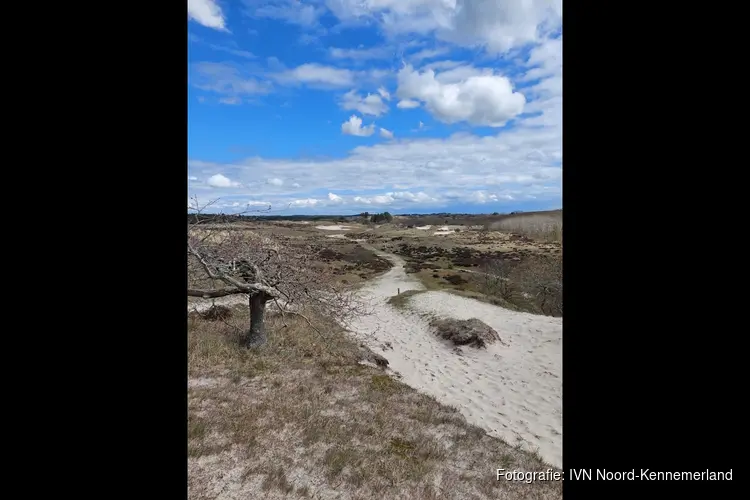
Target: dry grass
pixel 544 226
pixel 301 418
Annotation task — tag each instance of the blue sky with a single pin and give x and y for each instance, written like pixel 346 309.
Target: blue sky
pixel 345 106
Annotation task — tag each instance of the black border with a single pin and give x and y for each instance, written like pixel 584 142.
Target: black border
pixel 644 384
pixel 119 221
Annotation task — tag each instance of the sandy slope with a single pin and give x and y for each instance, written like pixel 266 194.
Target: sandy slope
pixel 514 391
pixel 200 305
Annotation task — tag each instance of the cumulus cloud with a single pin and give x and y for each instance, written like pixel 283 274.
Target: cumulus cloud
pixel 276 181
pixel 335 199
pixel 384 93
pixel 386 134
pixel 372 104
pixel 353 126
pixel 221 181
pixel 487 99
pixel 504 25
pixel 497 25
pixel 208 13
pixel 407 104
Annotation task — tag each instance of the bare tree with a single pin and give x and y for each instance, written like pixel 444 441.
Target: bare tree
pixel 227 259
pixel 495 279
pixel 541 276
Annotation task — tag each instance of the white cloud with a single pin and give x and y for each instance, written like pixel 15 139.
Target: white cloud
pixel 276 181
pixel 334 198
pixel 354 127
pixel 291 11
pixel 504 25
pixel 221 181
pixel 372 104
pixel 428 54
pixel 360 54
pixel 192 178
pixel 225 79
pixel 497 25
pixel 407 104
pixel 386 134
pixel 306 203
pixel 420 197
pixel 497 172
pixel 545 63
pixel 545 60
pixel 460 73
pixel 384 199
pixel 485 99
pixel 232 101
pixel 442 65
pixel 229 48
pixel 314 73
pixel 500 171
pixel 208 13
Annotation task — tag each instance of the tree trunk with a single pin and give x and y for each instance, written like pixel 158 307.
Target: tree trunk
pixel 256 336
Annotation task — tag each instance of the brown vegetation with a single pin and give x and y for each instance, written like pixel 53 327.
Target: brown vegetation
pixel 301 417
pixel 234 260
pixel 472 332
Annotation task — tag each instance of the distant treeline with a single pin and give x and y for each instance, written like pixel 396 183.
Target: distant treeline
pixel 227 218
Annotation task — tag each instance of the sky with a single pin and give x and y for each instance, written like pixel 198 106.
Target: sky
pixel 347 106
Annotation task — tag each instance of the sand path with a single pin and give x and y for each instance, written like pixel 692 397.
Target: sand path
pixel 513 391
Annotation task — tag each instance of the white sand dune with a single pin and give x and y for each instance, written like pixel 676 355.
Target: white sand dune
pixel 333 228
pixel 443 230
pixel 513 391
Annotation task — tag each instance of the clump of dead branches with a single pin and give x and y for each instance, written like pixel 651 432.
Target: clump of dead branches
pixel 232 259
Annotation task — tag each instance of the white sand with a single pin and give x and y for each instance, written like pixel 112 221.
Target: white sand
pixel 199 305
pixel 513 391
pixel 333 228
pixel 337 236
pixel 424 228
pixel 443 230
